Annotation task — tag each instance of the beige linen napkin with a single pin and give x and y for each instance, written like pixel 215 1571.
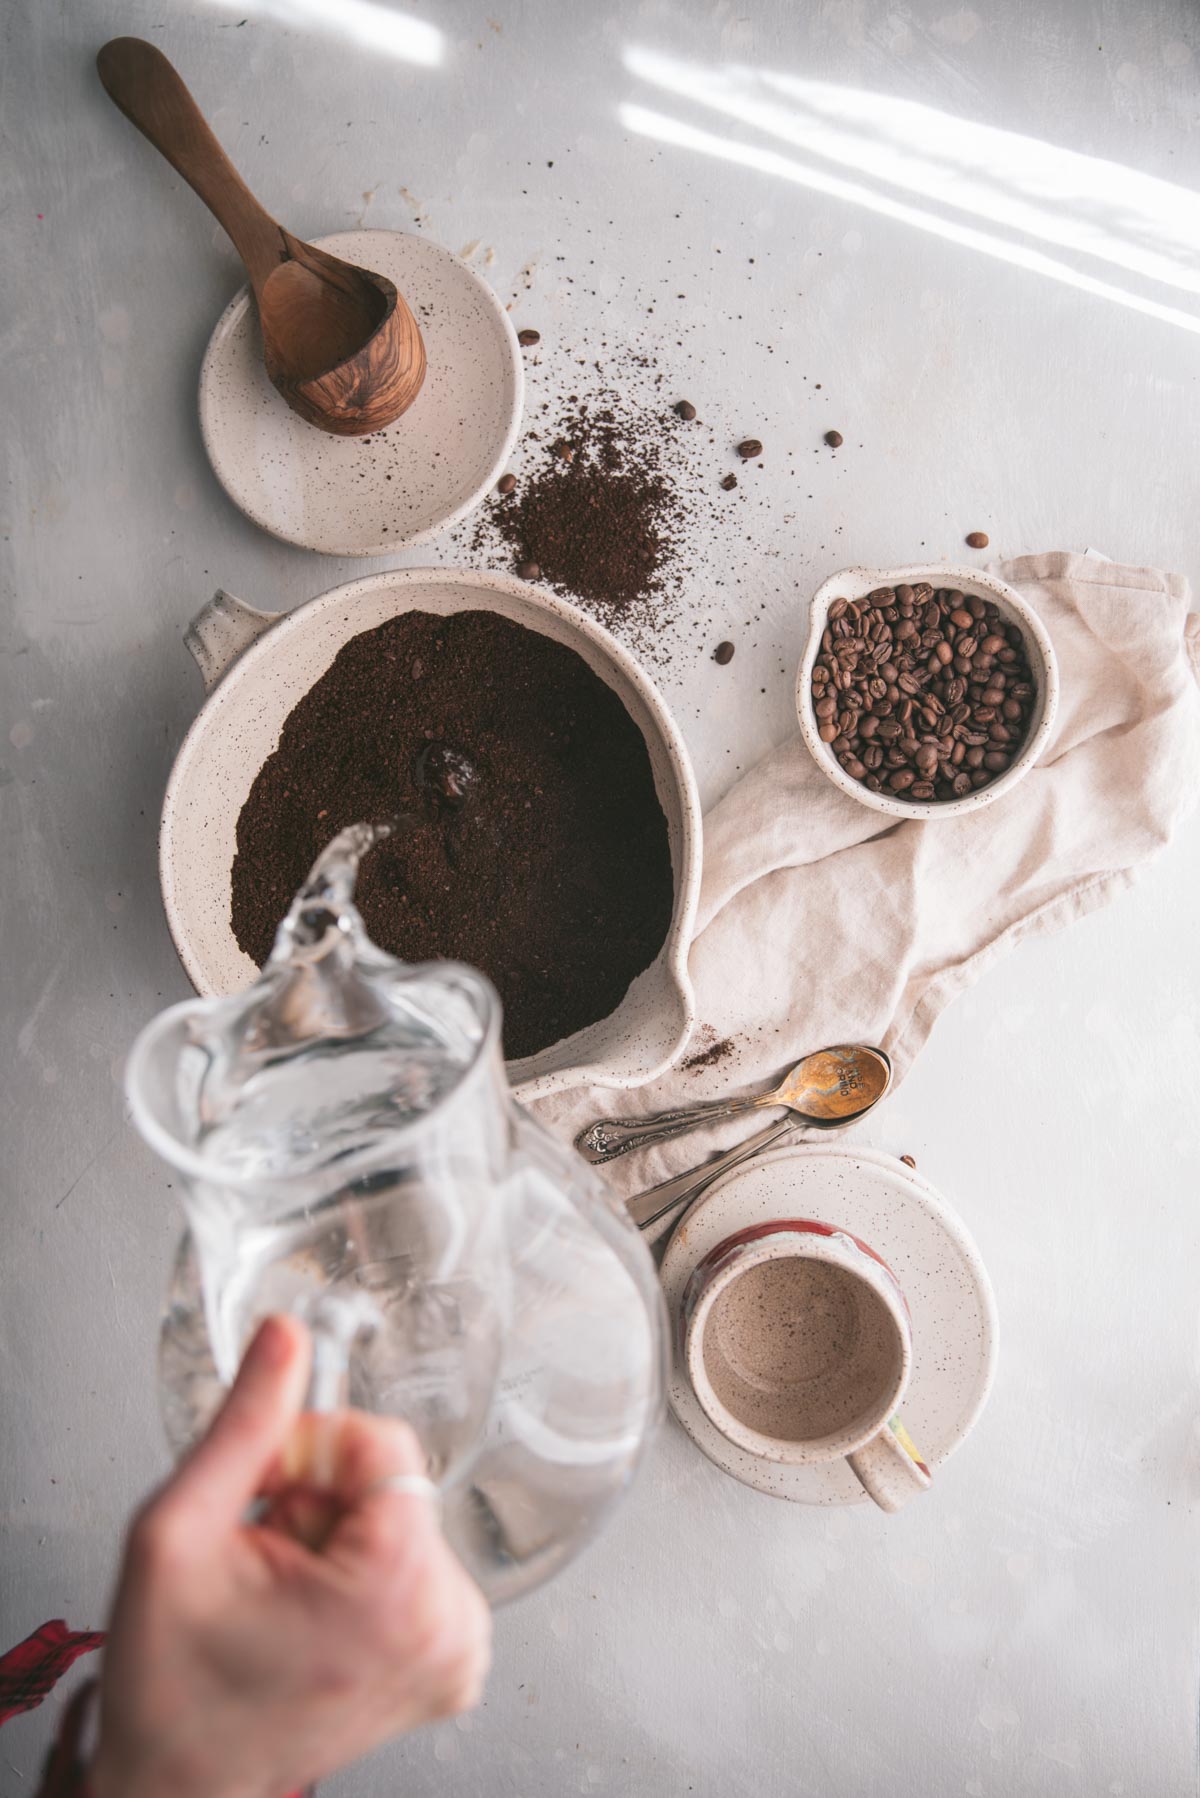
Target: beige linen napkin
pixel 821 921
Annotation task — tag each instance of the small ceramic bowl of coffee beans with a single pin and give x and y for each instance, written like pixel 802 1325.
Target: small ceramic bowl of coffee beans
pixel 925 692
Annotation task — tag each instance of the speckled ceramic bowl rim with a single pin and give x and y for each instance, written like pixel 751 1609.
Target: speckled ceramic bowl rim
pixel 674 952
pixel 516 371
pixel 855 583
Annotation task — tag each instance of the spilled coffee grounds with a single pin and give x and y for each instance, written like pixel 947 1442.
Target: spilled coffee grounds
pixel 538 851
pixel 588 523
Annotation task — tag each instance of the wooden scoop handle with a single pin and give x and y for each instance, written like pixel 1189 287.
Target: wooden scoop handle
pixel 148 90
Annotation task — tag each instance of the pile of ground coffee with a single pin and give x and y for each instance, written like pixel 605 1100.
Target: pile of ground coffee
pixel 538 851
pixel 597 516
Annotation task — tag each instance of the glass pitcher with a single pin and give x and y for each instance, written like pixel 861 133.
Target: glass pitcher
pixel 351 1153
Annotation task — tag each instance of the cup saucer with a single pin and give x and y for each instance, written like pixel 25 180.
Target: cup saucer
pixel 926 1245
pixel 371 496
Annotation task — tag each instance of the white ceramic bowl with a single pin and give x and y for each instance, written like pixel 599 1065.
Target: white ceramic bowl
pixel 856 583
pixel 258 665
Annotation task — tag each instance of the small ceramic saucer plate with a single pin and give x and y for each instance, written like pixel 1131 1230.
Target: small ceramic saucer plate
pixel 924 1243
pixel 368 496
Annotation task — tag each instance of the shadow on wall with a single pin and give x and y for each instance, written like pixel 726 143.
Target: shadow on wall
pixel 872 150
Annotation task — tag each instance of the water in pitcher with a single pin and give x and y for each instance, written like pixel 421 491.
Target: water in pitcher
pixel 353 1155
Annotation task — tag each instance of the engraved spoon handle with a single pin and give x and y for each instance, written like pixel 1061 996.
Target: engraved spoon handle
pixel 609 1137
pixel 645 1208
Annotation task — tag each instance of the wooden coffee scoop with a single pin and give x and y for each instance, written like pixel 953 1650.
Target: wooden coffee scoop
pixel 338 341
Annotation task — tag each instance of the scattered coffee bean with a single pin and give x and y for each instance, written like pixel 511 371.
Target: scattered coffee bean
pixel 506 484
pixel 685 409
pixel 723 653
pixel 729 483
pixel 977 539
pixel 834 439
pixel 528 338
pixel 922 693
pixel 528 571
pixel 909 1160
pixel 748 448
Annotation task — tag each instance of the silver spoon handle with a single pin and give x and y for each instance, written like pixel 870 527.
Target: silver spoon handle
pixel 645 1208
pixel 609 1137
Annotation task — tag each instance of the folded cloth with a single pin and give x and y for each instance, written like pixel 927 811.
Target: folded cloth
pixel 821 921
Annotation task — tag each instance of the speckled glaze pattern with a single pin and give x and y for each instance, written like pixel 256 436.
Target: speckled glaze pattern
pixel 922 1240
pixel 252 691
pixel 368 496
pixel 855 583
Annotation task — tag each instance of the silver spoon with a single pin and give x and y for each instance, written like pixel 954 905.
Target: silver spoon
pixel 827 1088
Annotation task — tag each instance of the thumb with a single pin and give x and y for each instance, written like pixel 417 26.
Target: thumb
pixel 229 1465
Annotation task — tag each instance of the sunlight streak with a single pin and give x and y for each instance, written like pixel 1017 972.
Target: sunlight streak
pixel 365 22
pixel 647 123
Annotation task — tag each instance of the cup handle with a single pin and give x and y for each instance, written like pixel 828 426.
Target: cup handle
pixel 219 633
pixel 890 1467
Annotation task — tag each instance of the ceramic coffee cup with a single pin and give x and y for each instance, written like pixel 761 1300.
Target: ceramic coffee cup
pixel 799 1347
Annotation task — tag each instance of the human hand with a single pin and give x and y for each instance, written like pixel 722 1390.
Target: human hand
pixel 243 1662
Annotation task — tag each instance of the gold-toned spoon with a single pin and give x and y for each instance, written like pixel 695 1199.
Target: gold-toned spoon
pixel 338 341
pixel 827 1088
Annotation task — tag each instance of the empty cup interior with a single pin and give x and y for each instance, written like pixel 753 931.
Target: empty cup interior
pixel 799 1350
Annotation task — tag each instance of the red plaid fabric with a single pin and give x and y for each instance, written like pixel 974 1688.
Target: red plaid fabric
pixel 35 1666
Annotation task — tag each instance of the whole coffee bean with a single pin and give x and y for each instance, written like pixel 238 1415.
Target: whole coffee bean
pixel 905 629
pixel 834 439
pixel 889 730
pixel 995 761
pixel 962 619
pixel 826 708
pixel 961 666
pixel 923 789
pixel 999 733
pixel 977 539
pixel 837 609
pixel 874 783
pixel 872 755
pixel 729 483
pixel 828 732
pixel 975 606
pixel 927 758
pixel 984 714
pixel 980 778
pixel 944 653
pixel 748 448
pixel 854 768
pixel 684 409
pixel 723 653
pixel 957 753
pixel 905 711
pixel 974 757
pixel 528 338
pixel 901 780
pixel 1011 710
pixel 962 785
pixel 869 726
pixel 506 484
pixel 993 696
pixel 528 571
pixel 904 595
pixel 966 646
pixel 931 638
pixel 820 675
pixel 841 743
